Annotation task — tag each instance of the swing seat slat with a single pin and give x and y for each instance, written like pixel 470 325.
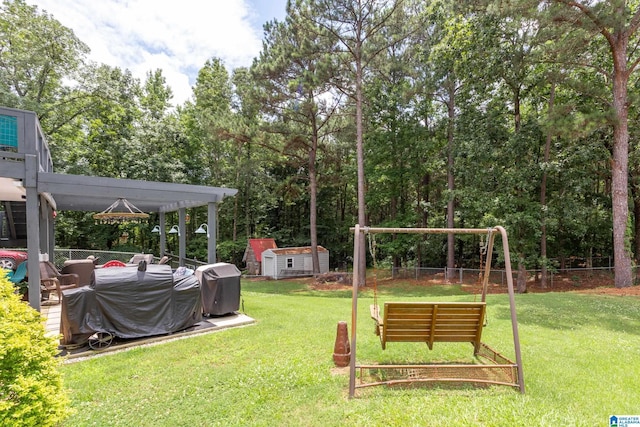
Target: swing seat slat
pixel 430 322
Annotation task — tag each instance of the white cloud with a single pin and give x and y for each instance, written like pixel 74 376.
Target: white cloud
pixel 176 36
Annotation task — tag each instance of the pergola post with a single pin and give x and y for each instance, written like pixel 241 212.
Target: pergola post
pixel 33 229
pixel 212 228
pixel 46 226
pixel 162 219
pixel 182 237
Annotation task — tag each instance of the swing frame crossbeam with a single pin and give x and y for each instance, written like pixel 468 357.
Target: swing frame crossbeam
pixel 500 370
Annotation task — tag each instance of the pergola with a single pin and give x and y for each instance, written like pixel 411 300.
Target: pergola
pixel 26 174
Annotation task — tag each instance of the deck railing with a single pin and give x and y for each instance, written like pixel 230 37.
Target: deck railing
pixel 62 255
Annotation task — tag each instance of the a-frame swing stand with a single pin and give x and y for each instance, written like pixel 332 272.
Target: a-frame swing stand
pixel 431 322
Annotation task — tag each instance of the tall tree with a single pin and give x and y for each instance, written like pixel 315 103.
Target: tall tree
pixel 38 59
pixel 449 58
pixel 109 126
pixel 355 25
pixel 394 143
pixel 296 65
pixel 616 22
pixel 212 110
pixel 159 136
pixel 156 95
pixel 515 66
pixel 254 194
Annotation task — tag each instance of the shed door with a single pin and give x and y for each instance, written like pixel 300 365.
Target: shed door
pixel 268 266
pixel 308 264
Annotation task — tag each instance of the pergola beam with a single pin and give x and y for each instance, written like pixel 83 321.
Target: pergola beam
pixel 91 193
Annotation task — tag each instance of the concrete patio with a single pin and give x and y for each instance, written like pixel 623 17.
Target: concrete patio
pixel 51 311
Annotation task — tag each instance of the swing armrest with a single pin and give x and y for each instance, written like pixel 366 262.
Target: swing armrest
pixel 375 314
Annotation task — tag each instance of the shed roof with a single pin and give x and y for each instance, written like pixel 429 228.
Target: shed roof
pixel 260 245
pixel 296 251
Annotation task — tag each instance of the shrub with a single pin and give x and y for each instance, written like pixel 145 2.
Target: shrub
pixel 31 391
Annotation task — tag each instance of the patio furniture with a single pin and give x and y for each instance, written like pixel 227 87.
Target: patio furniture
pixel 94 259
pixel 52 280
pixel 82 267
pixel 430 322
pixel 129 303
pixel 113 263
pixel 19 275
pixel 141 257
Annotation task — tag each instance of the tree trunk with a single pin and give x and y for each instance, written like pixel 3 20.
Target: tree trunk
pixel 362 262
pixel 636 213
pixel 521 280
pixel 247 204
pixel 617 35
pixel 423 202
pixel 620 168
pixel 451 254
pixel 517 120
pixel 543 195
pixel 313 202
pixel 393 214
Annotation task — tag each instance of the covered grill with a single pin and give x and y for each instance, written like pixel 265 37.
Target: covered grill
pixel 220 288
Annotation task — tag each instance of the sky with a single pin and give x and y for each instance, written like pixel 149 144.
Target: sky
pixel 175 36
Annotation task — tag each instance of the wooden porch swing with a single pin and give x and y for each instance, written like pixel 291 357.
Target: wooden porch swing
pixel 431 322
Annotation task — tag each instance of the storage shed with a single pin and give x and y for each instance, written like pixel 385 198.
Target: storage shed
pixel 292 262
pixel 253 254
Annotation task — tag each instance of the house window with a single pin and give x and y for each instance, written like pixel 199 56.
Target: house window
pixel 8 131
pixel 289 262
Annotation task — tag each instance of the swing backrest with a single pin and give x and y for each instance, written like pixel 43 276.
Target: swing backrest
pixel 431 322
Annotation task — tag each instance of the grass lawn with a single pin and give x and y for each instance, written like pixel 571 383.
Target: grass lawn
pixel 581 357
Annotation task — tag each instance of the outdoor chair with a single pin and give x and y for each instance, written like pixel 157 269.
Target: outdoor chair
pixel 82 267
pixel 141 257
pixel 113 263
pixel 94 259
pixel 52 280
pixel 19 275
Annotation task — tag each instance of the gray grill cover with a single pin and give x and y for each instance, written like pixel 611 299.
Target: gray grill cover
pixel 220 288
pixel 129 303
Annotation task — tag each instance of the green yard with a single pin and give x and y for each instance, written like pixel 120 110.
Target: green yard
pixel 581 358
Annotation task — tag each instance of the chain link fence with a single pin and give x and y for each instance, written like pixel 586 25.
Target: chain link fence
pixel 62 255
pixel 467 276
pixel 470 276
